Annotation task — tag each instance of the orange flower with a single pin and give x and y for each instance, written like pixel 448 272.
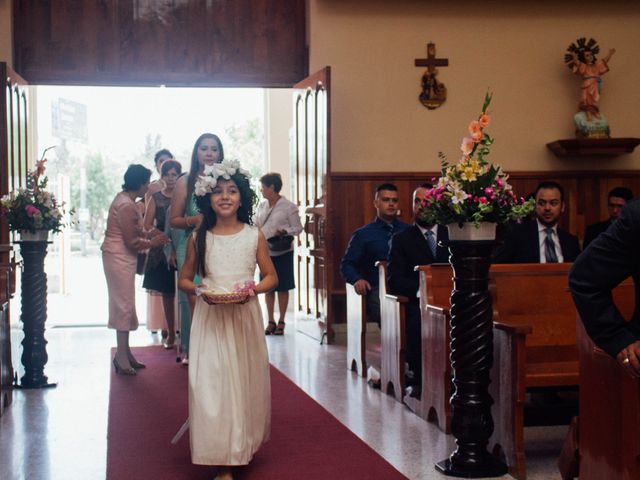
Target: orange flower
pixel 484 120
pixel 475 129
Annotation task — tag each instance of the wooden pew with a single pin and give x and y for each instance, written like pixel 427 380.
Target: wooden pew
pixel 356 332
pixel 392 326
pixel 534 346
pixel 436 283
pixel 609 420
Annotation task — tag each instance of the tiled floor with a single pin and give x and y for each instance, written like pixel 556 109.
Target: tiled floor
pixel 60 433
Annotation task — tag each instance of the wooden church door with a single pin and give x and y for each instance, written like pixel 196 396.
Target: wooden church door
pixel 14 154
pixel 311 166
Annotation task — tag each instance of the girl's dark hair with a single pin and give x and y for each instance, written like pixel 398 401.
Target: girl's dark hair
pixel 135 176
pixel 168 165
pixel 248 200
pixel 195 165
pixel 160 153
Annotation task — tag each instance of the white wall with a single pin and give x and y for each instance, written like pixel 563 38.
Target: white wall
pixel 278 121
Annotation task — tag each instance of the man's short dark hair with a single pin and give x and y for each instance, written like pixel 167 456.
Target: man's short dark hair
pixel 272 179
pixel 621 192
pixel 386 186
pixel 549 185
pixel 426 185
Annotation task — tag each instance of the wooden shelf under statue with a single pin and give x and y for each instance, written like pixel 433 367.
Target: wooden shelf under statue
pixel 593 147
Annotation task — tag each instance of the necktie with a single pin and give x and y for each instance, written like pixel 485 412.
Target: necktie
pixel 550 246
pixel 431 241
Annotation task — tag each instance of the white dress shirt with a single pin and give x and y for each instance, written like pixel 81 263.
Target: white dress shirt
pixel 542 235
pixel 282 216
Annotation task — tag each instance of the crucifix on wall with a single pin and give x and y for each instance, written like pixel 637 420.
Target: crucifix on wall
pixel 433 92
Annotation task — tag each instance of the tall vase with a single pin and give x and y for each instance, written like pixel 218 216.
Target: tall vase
pixel 34 313
pixel 471 357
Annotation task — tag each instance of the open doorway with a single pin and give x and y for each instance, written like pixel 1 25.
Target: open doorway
pixel 98 131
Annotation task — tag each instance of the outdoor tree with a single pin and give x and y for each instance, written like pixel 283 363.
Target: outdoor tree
pixel 101 187
pixel 246 144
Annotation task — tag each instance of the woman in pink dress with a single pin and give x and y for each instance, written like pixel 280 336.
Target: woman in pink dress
pixel 124 238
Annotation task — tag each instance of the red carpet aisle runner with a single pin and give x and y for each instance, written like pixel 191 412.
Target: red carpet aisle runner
pixel 307 442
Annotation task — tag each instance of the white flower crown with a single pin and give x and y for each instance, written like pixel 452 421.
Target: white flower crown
pixel 209 178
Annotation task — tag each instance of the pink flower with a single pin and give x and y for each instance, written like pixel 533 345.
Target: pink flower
pixel 31 210
pixel 488 191
pixel 40 167
pixel 484 120
pixel 483 199
pixel 467 146
pixel 248 287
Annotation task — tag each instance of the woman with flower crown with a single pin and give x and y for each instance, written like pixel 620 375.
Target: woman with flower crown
pixel 229 386
pixel 185 216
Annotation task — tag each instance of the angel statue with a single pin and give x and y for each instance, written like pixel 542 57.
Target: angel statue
pixel 581 59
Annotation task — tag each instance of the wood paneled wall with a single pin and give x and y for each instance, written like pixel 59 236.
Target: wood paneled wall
pixel 181 43
pixel 352 194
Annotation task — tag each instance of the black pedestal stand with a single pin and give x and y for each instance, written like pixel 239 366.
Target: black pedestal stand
pixel 34 314
pixel 471 359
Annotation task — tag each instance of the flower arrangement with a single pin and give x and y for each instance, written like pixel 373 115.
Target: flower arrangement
pixel 33 208
pixel 209 178
pixel 473 190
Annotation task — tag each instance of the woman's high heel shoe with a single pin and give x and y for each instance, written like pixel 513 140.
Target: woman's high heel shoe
pixel 123 371
pixel 136 364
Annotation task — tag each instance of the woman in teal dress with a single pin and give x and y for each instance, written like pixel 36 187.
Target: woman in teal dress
pixel 185 216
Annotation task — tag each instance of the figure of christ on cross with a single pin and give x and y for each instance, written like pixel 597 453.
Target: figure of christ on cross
pixel 433 93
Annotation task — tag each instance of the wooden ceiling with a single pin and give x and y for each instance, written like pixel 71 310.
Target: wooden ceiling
pixel 241 43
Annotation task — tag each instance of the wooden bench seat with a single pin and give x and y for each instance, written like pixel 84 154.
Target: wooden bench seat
pixel 534 346
pixel 392 337
pixel 609 420
pixel 356 332
pixel 436 283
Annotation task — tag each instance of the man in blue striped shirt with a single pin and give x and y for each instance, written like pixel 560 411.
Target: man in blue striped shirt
pixel 370 244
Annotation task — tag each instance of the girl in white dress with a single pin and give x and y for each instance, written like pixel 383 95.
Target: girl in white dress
pixel 229 387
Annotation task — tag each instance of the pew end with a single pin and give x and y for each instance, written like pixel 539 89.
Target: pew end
pixel 392 337
pixel 356 332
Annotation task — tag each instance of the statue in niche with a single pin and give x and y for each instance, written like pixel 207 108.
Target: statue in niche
pixel 581 59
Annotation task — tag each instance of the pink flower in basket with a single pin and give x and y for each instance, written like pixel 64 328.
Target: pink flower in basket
pixel 247 287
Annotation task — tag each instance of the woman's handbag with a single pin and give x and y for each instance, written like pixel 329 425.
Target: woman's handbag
pixel 280 243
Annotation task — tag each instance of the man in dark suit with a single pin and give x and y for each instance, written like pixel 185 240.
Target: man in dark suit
pixel 541 240
pixel 417 245
pixel 617 198
pixel 611 258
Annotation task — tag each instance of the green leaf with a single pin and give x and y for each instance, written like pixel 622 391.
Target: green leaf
pixel 487 101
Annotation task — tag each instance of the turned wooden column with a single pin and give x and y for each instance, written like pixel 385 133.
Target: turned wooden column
pixel 34 314
pixel 471 360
